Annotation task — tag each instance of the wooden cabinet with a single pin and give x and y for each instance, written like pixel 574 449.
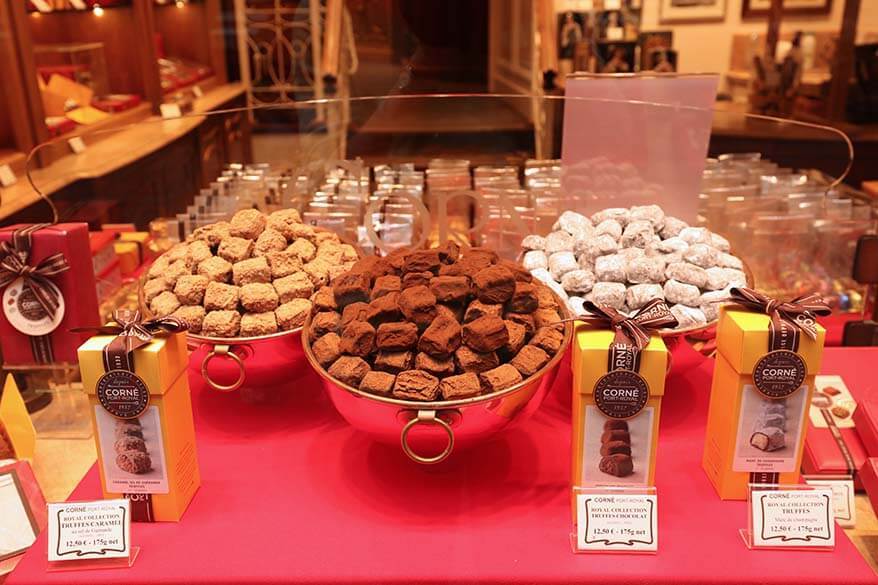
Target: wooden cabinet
pixel 135 167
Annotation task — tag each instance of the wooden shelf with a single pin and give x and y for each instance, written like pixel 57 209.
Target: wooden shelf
pixel 102 157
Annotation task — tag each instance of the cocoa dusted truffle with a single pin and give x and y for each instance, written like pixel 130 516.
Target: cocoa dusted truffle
pixel 380 383
pixel 325 322
pixel 327 349
pixel 416 385
pixel 500 378
pixel 442 337
pixel 358 338
pixel 412 279
pixel 614 447
pixel 349 369
pixel 418 305
pixel 524 299
pixel 422 261
pixel 494 284
pixel 450 289
pixel 438 366
pixel 529 360
pixel 486 334
pixel 354 312
pixel 478 309
pixel 389 283
pixel 384 309
pixel 548 339
pixel 394 361
pixel 468 360
pixel 397 336
pixel 460 386
pixel 351 287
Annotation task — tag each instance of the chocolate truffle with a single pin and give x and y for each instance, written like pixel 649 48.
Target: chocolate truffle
pixel 325 322
pixel 524 299
pixel 422 261
pixel 351 287
pixel 354 312
pixel 349 370
pixel 486 334
pixel 529 360
pixel 358 338
pixel 327 349
pixel 384 309
pixel 494 284
pixel 468 360
pixel 418 305
pixel 416 385
pixel 460 386
pixel 389 283
pixel 450 289
pixel 441 337
pixel 439 367
pixel 499 378
pixel 378 383
pixel 416 279
pixel 397 336
pixel 478 309
pixel 394 361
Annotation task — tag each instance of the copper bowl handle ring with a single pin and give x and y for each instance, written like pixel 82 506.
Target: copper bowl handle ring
pixel 217 351
pixel 427 417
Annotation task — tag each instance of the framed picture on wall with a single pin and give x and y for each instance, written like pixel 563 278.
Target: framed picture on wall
pixel 760 7
pixel 692 10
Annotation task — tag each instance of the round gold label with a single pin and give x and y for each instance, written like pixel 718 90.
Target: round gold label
pixel 621 394
pixel 779 373
pixel 122 393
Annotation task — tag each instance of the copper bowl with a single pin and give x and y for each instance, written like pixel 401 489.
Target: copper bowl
pixel 456 423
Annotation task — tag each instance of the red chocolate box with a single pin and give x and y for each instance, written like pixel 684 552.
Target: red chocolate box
pixel 866 422
pixel 869 477
pixel 833 445
pixel 64 275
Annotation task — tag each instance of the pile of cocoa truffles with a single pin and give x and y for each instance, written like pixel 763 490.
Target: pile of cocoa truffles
pixel 435 324
pixel 625 257
pixel 251 276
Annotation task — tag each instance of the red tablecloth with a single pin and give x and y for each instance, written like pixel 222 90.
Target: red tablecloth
pixel 292 494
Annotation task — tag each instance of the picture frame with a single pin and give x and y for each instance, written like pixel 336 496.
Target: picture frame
pixel 21 526
pixel 691 10
pixel 760 8
pixel 649 41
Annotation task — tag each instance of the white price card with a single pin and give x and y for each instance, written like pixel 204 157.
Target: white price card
pixel 89 530
pixel 792 518
pixel 7 177
pixel 616 522
pixel 77 144
pixel 170 111
pixel 844 505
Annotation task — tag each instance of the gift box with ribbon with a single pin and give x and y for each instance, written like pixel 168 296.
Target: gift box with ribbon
pixel 838 430
pixel 135 374
pixel 48 288
pixel 619 366
pixel 768 353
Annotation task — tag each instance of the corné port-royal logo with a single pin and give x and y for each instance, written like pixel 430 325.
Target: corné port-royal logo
pixel 621 394
pixel 122 393
pixel 779 373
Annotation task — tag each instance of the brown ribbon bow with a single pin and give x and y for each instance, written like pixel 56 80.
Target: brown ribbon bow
pixel 631 333
pixel 131 333
pixel 14 264
pixel 787 317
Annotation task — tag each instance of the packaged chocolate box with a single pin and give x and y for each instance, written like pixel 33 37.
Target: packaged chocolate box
pixel 48 287
pixel 142 415
pixel 768 354
pixel 619 366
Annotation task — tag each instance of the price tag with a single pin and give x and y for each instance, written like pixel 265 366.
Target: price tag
pixel 616 522
pixel 843 504
pixel 196 91
pixel 7 177
pixel 170 111
pixel 89 530
pixel 77 144
pixel 791 518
